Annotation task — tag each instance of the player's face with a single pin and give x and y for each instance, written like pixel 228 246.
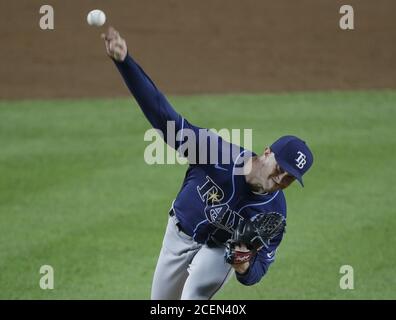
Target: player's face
pixel 272 176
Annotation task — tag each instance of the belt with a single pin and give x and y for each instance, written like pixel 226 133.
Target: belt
pixel 178 225
pixel 212 242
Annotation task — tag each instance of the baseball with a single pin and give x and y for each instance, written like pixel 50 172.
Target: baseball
pixel 96 18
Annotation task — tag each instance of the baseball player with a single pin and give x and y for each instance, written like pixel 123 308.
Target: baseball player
pixel 211 232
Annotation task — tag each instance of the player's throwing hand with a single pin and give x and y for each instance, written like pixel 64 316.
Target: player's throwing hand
pixel 115 45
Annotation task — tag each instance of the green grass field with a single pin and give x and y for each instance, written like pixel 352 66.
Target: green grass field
pixel 75 193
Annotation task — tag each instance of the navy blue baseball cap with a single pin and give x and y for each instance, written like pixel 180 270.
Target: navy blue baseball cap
pixel 293 156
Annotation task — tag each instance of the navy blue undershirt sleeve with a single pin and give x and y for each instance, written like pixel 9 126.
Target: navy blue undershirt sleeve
pixel 153 103
pixel 157 109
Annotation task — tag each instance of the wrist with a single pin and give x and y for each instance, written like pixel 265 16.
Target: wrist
pixel 120 60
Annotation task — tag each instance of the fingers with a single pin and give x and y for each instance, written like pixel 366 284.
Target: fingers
pixel 119 52
pixel 114 41
pixel 110 34
pixel 118 44
pixel 115 45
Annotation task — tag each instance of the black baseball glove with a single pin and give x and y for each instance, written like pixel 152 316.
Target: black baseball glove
pixel 254 234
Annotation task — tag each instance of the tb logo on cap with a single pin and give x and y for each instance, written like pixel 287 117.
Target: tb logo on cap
pixel 301 160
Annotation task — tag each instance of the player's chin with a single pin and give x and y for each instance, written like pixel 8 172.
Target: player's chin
pixel 273 188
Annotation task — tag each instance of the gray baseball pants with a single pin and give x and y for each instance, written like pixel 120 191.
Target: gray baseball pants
pixel 186 269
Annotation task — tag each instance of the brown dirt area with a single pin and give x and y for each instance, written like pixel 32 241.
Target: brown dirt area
pixel 191 46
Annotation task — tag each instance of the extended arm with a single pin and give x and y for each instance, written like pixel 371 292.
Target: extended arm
pixel 156 107
pixel 153 103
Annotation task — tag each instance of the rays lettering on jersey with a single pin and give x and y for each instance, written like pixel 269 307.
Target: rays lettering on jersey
pixel 217 213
